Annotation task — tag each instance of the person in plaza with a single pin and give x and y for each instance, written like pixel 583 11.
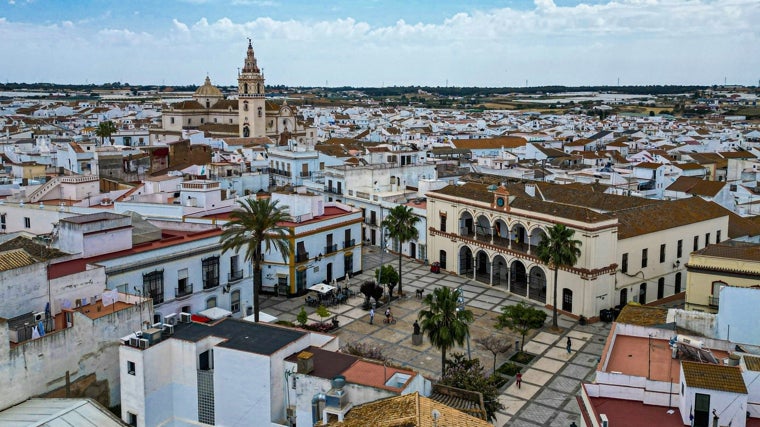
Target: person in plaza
pixel 371 315
pixel 569 345
pixel 388 315
pixel 519 379
pixel 416 327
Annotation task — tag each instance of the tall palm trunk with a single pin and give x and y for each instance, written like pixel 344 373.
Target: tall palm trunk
pixel 554 312
pixel 443 361
pixel 256 284
pixel 399 270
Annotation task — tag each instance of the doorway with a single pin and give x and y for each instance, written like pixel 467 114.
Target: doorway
pixel 567 300
pixel 329 272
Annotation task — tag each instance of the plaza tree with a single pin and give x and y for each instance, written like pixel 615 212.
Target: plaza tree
pixel 558 249
pixel 401 224
pixel 444 323
pixel 520 318
pixel 257 223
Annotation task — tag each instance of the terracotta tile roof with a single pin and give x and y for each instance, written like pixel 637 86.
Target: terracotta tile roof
pixel 752 362
pixel 739 226
pixel 696 186
pixel 15 258
pixel 491 143
pixel 714 377
pixel 187 105
pixel 688 166
pixel 642 315
pixel 648 165
pixel 732 249
pixel 737 155
pixel 411 410
pixel 225 104
pixel 666 215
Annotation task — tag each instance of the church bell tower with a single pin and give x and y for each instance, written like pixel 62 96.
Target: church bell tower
pixel 251 108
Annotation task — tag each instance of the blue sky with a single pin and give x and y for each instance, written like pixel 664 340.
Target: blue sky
pixel 374 43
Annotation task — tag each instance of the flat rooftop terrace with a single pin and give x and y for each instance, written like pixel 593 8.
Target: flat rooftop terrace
pixel 650 358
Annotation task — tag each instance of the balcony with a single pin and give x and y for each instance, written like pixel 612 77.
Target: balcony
pixel 371 221
pixel 210 283
pixel 183 291
pixel 714 301
pixel 234 276
pixel 305 174
pixel 349 243
pixel 157 298
pixel 330 249
pixel 332 190
pixel 279 172
pixel 302 257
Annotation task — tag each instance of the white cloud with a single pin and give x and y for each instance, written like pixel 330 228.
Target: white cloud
pixel 641 41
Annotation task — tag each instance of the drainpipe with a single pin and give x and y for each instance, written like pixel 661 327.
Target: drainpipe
pixel 315 414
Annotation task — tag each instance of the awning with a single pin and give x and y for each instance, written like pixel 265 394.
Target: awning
pixel 322 288
pixel 215 313
pixel 263 317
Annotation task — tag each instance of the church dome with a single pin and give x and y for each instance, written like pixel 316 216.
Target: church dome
pixel 208 90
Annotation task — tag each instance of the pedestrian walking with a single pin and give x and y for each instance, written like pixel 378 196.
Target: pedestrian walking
pixel 569 345
pixel 519 379
pixel 371 315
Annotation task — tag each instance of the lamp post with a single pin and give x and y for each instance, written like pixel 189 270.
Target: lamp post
pixel 461 307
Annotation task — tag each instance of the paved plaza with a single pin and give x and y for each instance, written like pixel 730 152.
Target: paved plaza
pixel 550 381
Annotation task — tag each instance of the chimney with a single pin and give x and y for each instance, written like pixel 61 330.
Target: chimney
pixel 530 189
pixel 305 362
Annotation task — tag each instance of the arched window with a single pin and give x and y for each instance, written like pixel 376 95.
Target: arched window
pixel 260 112
pixel 245 106
pixel 442 259
pixel 258 88
pixel 245 87
pixel 211 302
pixel 246 132
pixel 660 288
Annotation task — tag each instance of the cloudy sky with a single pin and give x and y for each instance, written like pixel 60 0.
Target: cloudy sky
pixel 383 42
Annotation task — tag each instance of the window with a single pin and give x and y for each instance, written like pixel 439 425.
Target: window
pixel 696 243
pixel 131 419
pixel 443 223
pixel 210 272
pixel 211 302
pixel 678 283
pixel 707 239
pixel 27 222
pixel 717 236
pixel 644 255
pixel 202 120
pixel 2 222
pixel 643 293
pixel 624 264
pixel 245 106
pixel 236 273
pixel 153 286
pixel 259 111
pixel 301 280
pixel 679 249
pixel 171 120
pixel 189 121
pixel 130 367
pixel 662 253
pixel 660 288
pixel 235 301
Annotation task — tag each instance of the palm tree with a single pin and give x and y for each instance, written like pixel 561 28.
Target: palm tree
pixel 105 130
pixel 257 222
pixel 401 224
pixel 443 322
pixel 557 250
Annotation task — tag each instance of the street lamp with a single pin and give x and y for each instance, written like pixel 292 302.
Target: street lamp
pixel 460 307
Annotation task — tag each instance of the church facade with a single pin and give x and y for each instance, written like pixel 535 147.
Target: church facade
pixel 251 115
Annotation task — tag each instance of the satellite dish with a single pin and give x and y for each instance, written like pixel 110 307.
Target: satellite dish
pixel 435 414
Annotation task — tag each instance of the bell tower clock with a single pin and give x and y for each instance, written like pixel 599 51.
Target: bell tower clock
pixel 251 98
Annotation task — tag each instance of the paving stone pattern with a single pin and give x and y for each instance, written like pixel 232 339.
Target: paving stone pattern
pixel 550 382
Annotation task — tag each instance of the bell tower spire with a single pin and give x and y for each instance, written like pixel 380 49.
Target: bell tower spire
pixel 251 97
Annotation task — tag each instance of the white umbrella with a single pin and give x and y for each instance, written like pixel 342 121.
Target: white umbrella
pixel 322 288
pixel 263 317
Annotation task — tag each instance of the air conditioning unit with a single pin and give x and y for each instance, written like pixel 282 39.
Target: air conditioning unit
pixel 133 341
pixel 605 421
pixel 170 319
pixel 143 343
pixel 185 317
pixel 39 316
pixel 169 329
